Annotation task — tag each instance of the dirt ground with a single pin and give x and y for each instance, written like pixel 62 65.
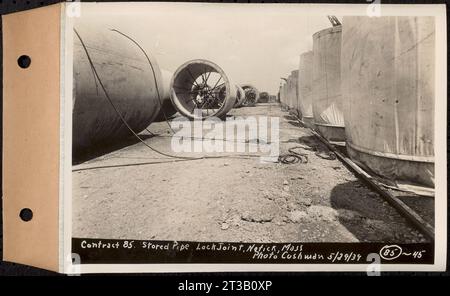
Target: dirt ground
pixel 229 199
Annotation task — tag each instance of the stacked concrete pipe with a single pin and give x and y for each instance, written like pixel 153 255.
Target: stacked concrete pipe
pixel 326 85
pixel 251 95
pixel 167 109
pixel 264 97
pixel 293 93
pixel 283 96
pixel 305 88
pixel 240 97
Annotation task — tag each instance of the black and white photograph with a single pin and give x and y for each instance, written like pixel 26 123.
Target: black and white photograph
pixel 283 134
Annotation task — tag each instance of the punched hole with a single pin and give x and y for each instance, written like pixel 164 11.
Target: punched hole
pixel 24 61
pixel 26 214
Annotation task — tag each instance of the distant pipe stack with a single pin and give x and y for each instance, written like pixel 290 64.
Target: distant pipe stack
pixel 289 92
pixel 132 79
pixel 293 93
pixel 200 89
pixel 305 88
pixel 167 109
pixel 282 94
pixel 263 97
pixel 240 97
pixel 251 95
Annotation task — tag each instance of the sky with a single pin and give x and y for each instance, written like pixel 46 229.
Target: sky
pixel 252 43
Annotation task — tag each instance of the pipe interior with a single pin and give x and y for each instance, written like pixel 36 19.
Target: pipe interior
pixel 201 86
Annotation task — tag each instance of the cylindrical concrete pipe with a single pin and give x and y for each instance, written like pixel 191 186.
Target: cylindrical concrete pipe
pixel 201 89
pixel 264 97
pixel 288 92
pixel 167 109
pixel 305 88
pixel 326 86
pixel 284 96
pixel 131 81
pixel 251 95
pixel 388 85
pixel 281 96
pixel 240 97
pixel 293 92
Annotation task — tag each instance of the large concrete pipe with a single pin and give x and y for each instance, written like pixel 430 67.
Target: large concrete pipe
pixel 326 90
pixel 263 97
pixel 388 85
pixel 305 88
pixel 288 92
pixel 281 96
pixel 167 109
pixel 284 96
pixel 201 89
pixel 131 78
pixel 251 95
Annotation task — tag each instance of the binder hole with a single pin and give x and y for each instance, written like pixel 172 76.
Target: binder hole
pixel 24 61
pixel 26 214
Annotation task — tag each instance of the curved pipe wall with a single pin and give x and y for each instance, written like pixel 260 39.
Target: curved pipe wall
pixel 326 86
pixel 305 87
pixel 129 80
pixel 388 86
pixel 264 97
pixel 283 95
pixel 240 97
pixel 251 95
pixel 287 92
pixel 293 92
pixel 167 109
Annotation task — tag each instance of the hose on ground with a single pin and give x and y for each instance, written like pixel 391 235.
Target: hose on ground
pixel 293 156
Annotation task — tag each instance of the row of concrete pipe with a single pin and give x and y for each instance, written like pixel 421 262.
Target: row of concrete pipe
pixel 119 87
pixel 370 82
